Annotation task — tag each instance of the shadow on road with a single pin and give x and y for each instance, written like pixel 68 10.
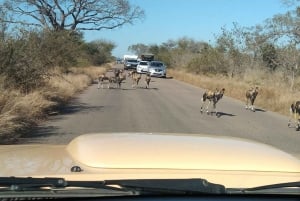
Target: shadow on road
pixel 169 77
pixel 37 134
pixel 75 107
pixel 220 114
pixel 150 88
pixel 259 110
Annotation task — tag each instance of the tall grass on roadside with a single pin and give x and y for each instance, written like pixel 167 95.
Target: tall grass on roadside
pixel 19 111
pixel 92 71
pixel 274 91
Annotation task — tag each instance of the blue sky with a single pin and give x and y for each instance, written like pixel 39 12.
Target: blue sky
pixel 196 19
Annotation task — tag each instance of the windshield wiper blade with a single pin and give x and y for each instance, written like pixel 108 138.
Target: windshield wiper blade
pixel 289 187
pixel 135 186
pixel 275 186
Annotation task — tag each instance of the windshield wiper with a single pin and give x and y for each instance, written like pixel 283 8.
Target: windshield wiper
pixel 170 186
pixel 27 187
pixel 281 188
pixel 59 186
pixel 134 187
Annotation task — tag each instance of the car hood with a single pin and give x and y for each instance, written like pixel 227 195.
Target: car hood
pixel 229 161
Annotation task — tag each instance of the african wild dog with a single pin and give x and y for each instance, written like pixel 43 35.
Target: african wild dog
pixel 130 73
pixel 135 78
pixel 120 79
pixel 295 112
pixel 212 96
pixel 116 79
pixel 147 80
pixel 102 79
pixel 250 98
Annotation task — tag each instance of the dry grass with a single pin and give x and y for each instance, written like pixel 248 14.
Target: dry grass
pixel 274 91
pixel 92 71
pixel 20 111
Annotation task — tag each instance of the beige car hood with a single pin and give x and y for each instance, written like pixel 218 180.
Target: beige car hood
pixel 229 161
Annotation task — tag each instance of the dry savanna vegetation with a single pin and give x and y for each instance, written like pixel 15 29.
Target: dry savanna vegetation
pixel 19 111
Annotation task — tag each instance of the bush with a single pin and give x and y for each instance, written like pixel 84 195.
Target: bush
pixel 27 59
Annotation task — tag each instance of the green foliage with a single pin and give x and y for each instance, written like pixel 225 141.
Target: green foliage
pixel 99 52
pixel 28 57
pixel 61 48
pixel 138 49
pixel 210 61
pixel 269 56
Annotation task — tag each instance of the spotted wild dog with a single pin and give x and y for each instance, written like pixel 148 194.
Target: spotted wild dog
pixel 120 79
pixel 136 77
pixel 295 112
pixel 131 73
pixel 102 79
pixel 211 96
pixel 250 98
pixel 147 80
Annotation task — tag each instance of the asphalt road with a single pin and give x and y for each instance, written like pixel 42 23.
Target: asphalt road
pixel 168 106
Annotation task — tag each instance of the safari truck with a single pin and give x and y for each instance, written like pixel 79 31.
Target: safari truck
pixel 147 57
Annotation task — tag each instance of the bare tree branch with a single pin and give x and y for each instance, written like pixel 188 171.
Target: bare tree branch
pixel 74 14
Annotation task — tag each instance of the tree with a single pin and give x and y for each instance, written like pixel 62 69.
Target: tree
pixel 3 26
pixel 27 57
pixel 72 14
pixel 232 44
pixel 269 56
pixel 138 48
pixel 289 57
pixel 99 51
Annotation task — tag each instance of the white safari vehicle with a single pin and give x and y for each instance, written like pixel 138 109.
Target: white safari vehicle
pixel 150 167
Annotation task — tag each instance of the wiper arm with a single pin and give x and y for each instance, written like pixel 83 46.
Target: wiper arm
pixel 12 187
pixel 138 186
pixel 22 183
pixel 29 183
pixel 170 186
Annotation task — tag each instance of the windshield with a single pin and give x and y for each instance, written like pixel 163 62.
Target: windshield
pixel 143 63
pixel 156 64
pixel 111 90
pixel 132 60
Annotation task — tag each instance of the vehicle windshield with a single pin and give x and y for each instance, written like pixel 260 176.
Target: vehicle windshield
pixel 132 60
pixel 156 64
pixel 143 63
pixel 151 92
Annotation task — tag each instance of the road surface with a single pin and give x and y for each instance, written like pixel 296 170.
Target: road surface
pixel 168 106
